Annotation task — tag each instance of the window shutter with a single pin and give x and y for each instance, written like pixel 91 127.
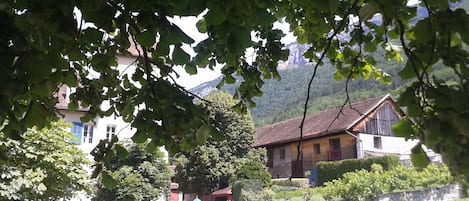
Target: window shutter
pixel 77 130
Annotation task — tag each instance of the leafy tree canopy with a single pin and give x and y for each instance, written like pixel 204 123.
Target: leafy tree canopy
pixel 211 165
pixel 47 43
pixel 142 175
pixel 46 165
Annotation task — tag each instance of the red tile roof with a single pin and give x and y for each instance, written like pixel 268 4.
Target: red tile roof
pixel 319 124
pixel 224 191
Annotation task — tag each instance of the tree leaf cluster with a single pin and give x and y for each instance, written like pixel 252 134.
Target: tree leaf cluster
pixel 211 166
pixel 141 175
pixel 44 44
pixel 45 165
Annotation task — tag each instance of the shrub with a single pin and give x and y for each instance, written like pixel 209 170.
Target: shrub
pixel 264 195
pixel 253 170
pixel 363 184
pixel 328 171
pixel 251 190
pixel 254 185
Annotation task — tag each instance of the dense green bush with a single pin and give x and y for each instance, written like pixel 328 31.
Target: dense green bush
pixel 328 171
pixel 252 170
pixel 264 195
pixel 251 190
pixel 363 184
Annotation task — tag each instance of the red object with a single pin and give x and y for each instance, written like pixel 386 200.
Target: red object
pixel 223 194
pixel 174 192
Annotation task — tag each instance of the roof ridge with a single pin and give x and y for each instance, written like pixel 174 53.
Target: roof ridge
pixel 327 110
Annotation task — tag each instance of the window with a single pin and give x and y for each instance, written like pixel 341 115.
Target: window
pixel 377 142
pixel 88 133
pixel 270 158
pixel 82 133
pixel 77 130
pixel 317 148
pixel 282 154
pixel 110 131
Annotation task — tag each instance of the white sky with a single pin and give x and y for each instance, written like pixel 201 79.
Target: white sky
pixel 188 25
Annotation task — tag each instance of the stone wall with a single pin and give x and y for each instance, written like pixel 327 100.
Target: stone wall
pixel 445 193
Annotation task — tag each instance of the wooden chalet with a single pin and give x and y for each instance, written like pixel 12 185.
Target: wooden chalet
pixel 354 131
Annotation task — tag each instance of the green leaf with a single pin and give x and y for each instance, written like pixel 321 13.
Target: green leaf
pixel 108 182
pixel 35 116
pixel 201 26
pixel 418 157
pixel 146 39
pixel 92 34
pixel 139 137
pixel 403 128
pixel 215 16
pixel 422 31
pixel 180 57
pixel 191 69
pixel 203 133
pixel 407 72
pixel 121 151
pixel 368 10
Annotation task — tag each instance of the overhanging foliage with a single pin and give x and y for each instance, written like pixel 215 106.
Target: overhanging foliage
pixel 44 44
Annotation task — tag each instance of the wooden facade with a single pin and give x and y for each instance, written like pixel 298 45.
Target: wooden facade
pixel 281 168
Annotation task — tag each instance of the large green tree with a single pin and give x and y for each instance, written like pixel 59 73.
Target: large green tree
pixel 140 175
pixel 211 165
pixel 45 43
pixel 46 165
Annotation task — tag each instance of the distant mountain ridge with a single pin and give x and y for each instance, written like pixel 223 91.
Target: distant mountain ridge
pixel 285 99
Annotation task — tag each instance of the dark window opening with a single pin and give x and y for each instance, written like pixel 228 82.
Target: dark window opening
pixel 282 154
pixel 377 142
pixel 270 158
pixel 317 148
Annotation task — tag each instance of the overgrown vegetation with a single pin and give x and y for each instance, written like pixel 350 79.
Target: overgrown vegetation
pixel 364 184
pixel 328 171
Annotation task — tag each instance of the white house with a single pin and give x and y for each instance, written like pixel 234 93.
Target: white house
pixel 89 134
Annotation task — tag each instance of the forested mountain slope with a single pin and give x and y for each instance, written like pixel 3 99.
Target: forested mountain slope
pixel 285 99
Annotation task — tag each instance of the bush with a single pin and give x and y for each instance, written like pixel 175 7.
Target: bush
pixel 253 170
pixel 264 195
pixel 251 190
pixel 363 184
pixel 328 171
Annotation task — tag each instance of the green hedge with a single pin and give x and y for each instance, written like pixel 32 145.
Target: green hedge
pixel 328 171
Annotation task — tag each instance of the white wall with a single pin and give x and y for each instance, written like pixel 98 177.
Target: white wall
pixel 123 129
pixel 390 144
